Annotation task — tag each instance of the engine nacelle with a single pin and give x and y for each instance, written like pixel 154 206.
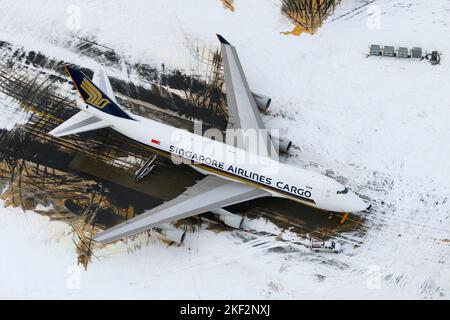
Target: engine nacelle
pixel 262 101
pixel 172 233
pixel 230 219
pixel 281 144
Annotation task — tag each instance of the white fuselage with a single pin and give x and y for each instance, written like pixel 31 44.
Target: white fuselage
pixel 215 157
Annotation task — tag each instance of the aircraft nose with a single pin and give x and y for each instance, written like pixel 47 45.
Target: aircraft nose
pixel 357 204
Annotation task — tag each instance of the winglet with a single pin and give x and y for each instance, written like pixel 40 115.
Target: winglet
pixel 222 39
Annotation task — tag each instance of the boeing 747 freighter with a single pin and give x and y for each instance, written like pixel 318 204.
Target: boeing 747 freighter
pixel 234 171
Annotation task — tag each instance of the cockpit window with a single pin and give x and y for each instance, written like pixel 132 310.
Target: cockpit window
pixel 343 191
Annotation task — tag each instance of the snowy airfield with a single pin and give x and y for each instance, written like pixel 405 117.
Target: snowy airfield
pixel 379 125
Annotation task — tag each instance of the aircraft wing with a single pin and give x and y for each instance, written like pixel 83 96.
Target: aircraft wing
pixel 207 194
pixel 242 110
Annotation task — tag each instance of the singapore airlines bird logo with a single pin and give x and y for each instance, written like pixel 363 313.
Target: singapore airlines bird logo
pixel 95 97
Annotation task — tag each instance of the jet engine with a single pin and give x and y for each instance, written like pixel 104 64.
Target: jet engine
pixel 171 233
pixel 230 219
pixel 281 144
pixel 262 101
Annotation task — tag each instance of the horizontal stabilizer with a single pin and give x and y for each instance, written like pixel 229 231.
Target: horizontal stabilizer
pixel 81 122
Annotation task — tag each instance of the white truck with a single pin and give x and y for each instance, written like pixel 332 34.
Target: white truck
pixel 329 246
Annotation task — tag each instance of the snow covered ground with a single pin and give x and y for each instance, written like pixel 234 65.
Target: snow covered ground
pixel 380 124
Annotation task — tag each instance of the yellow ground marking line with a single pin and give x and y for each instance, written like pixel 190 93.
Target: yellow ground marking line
pixel 344 217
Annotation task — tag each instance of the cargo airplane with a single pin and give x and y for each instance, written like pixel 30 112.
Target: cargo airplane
pixel 233 171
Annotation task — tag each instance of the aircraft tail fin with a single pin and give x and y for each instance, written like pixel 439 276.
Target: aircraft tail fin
pixel 93 96
pixel 81 122
pixel 101 80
